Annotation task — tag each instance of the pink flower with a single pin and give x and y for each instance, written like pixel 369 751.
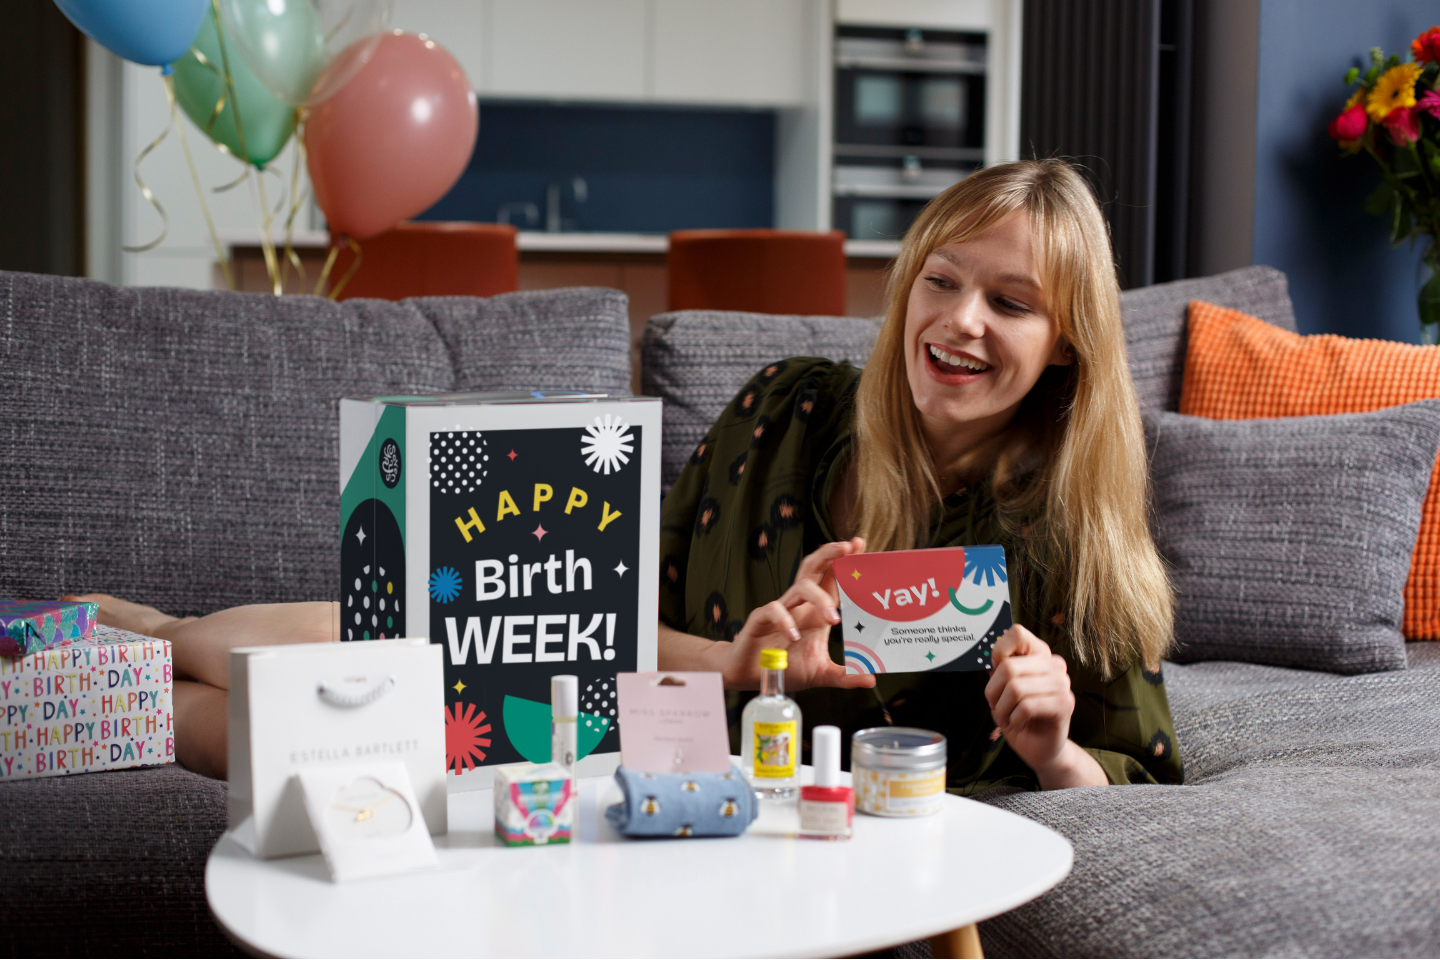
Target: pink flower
pixel 1403 126
pixel 1350 125
pixel 1430 103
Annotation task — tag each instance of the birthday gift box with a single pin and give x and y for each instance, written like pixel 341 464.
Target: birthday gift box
pixel 518 531
pixel 102 703
pixel 910 611
pixel 30 625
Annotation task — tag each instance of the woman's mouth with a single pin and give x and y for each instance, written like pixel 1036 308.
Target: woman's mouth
pixel 957 366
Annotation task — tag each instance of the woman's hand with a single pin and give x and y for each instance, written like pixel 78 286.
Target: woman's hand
pixel 1031 702
pixel 798 623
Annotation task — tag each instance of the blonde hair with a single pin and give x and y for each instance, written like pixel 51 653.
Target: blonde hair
pixel 1070 474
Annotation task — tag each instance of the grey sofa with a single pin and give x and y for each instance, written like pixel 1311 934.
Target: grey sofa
pixel 179 447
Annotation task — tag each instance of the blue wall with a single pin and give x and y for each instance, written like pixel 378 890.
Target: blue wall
pixel 647 170
pixel 1309 216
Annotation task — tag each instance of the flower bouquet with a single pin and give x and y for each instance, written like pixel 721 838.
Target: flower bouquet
pixel 1394 115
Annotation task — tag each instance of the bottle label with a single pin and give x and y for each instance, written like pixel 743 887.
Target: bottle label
pixel 775 745
pixel 824 816
pixel 916 789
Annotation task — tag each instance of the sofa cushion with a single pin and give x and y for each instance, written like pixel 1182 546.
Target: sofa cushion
pixel 110 865
pixel 1156 321
pixel 1301 829
pixel 1237 368
pixel 695 360
pixel 1289 540
pixel 179 447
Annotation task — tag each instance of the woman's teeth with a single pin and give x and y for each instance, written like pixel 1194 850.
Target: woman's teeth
pixel 954 361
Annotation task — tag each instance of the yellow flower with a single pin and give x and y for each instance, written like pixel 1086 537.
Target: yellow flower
pixel 1395 88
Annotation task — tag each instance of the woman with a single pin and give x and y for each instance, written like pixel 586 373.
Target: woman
pixel 997 407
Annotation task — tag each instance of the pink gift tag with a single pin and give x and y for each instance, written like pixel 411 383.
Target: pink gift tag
pixel 673 723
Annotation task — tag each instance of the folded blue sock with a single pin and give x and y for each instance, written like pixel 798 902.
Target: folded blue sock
pixel 683 804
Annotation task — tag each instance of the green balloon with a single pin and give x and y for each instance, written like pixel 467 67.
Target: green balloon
pixel 283 41
pixel 266 120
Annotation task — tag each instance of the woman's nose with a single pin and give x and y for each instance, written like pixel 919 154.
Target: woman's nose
pixel 967 319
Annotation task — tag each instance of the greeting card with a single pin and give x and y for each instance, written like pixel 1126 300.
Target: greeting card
pixel 910 611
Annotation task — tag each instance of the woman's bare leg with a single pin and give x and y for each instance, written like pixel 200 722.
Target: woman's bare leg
pixel 200 646
pixel 200 651
pixel 201 728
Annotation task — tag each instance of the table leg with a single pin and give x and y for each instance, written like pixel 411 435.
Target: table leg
pixel 963 943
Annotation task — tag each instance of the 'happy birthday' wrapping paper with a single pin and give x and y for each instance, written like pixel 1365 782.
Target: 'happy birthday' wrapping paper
pixel 28 626
pixel 102 703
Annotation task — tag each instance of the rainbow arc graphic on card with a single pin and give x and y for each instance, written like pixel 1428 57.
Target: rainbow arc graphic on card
pixel 911 611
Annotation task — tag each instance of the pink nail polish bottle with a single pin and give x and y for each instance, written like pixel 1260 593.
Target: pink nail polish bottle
pixel 827 810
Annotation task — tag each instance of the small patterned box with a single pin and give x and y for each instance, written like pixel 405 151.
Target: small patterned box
pixel 28 626
pixel 102 703
pixel 534 804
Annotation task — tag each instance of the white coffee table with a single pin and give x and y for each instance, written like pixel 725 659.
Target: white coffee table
pixel 766 893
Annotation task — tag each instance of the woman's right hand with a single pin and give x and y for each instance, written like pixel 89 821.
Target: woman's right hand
pixel 798 623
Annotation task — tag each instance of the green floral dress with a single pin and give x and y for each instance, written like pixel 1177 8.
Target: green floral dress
pixel 754 499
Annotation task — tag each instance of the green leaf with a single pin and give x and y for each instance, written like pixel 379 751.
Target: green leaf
pixel 1378 203
pixel 1371 76
pixel 1351 75
pixel 1394 61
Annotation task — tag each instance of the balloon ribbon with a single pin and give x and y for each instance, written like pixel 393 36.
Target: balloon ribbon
pixel 145 190
pixel 330 264
pixel 222 258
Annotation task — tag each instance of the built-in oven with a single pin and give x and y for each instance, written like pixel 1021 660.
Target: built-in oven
pixel 909 122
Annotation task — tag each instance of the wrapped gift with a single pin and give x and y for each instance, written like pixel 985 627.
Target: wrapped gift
pixel 28 626
pixel 101 703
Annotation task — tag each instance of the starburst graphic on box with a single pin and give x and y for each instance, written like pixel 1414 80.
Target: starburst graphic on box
pixel 445 585
pixel 464 738
pixel 607 444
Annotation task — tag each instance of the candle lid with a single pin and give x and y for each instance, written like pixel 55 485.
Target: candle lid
pixel 896 748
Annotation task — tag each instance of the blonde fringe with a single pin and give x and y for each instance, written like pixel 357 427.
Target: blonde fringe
pixel 1070 476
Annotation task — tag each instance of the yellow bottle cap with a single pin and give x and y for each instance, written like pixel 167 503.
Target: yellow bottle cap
pixel 773 659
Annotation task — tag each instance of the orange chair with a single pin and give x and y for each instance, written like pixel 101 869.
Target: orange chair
pixel 763 271
pixel 432 260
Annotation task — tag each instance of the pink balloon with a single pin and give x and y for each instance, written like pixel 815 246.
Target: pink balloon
pixel 394 139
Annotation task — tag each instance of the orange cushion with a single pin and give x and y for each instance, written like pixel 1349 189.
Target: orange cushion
pixel 1239 368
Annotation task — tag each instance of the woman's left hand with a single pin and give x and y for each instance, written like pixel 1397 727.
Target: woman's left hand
pixel 1031 702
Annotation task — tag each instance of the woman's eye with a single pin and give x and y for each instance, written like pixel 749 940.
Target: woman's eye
pixel 1008 304
pixel 940 282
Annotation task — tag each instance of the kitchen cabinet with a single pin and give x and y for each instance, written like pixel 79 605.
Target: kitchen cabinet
pixel 747 53
pixel 750 52
pixel 583 49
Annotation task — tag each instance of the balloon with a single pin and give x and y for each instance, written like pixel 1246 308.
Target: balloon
pixel 394 140
pixel 152 32
pixel 306 50
pixel 266 121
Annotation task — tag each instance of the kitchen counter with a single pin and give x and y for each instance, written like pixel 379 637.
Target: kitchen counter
pixel 534 241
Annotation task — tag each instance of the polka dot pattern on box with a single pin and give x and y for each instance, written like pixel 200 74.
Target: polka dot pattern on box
pixel 598 699
pixel 458 460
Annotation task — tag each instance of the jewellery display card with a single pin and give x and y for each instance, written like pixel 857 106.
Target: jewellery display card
pixel 367 820
pixel 673 723
pixel 520 533
pixel 912 611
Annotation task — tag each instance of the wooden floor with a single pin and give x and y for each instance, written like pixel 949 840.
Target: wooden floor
pixel 640 275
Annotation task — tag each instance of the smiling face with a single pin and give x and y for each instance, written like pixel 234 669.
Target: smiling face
pixel 978 335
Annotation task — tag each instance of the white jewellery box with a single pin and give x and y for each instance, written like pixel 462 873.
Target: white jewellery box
pixel 301 706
